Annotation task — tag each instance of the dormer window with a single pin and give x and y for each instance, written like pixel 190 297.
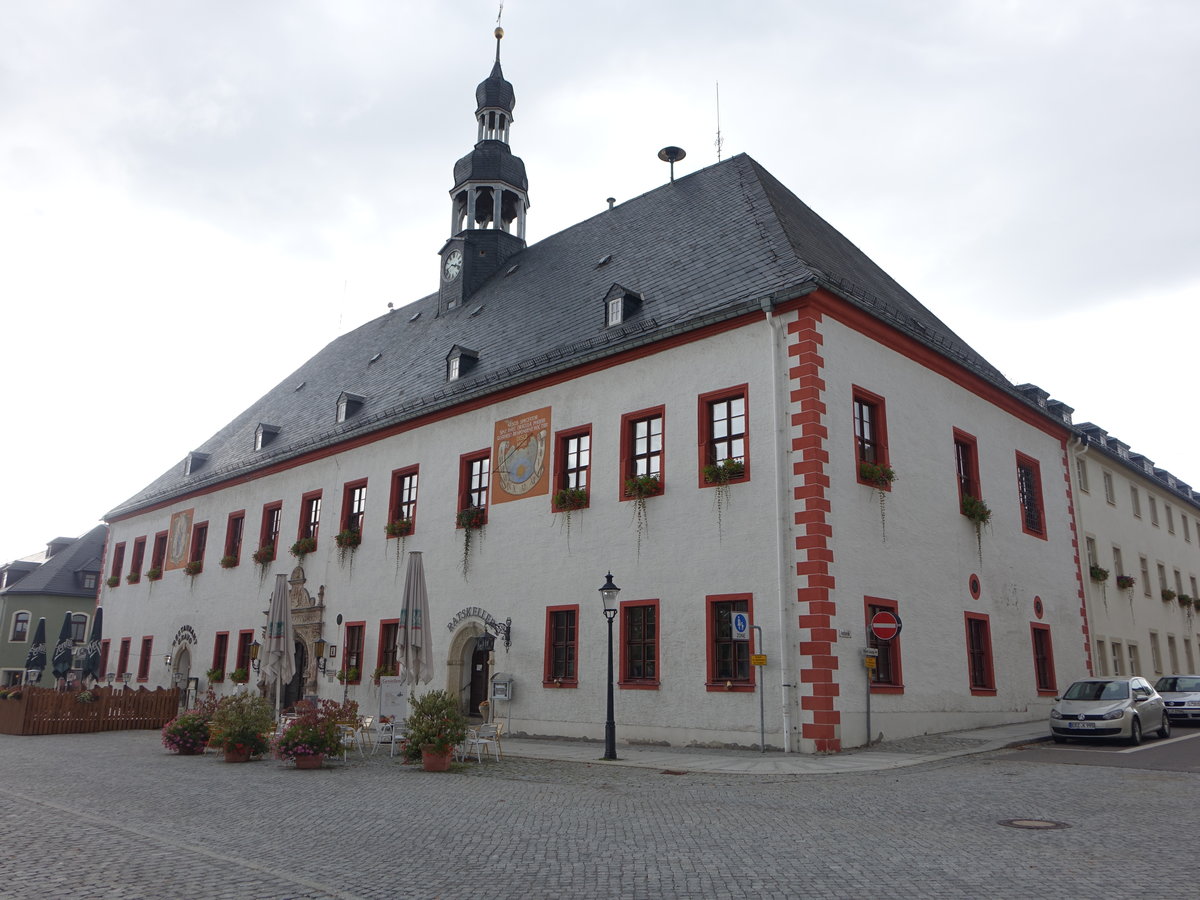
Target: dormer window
pixel 620 304
pixel 195 460
pixel 264 434
pixel 347 405
pixel 460 361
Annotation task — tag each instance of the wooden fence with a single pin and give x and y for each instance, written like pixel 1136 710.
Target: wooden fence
pixel 46 711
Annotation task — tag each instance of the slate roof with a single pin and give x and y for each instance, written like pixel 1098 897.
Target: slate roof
pixel 58 574
pixel 491 161
pixel 709 246
pixel 494 92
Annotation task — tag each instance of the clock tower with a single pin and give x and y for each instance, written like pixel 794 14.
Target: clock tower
pixel 489 199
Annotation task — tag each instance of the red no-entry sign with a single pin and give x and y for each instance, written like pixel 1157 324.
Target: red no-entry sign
pixel 885 625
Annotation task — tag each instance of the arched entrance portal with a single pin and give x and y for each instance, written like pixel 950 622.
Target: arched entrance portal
pixel 469 667
pixel 181 671
pixel 294 689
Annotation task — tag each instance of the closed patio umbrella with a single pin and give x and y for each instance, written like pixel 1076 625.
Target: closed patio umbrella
pixel 35 659
pixel 91 661
pixel 278 662
pixel 64 650
pixel 414 646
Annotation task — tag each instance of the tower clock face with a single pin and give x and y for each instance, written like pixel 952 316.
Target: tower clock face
pixel 452 266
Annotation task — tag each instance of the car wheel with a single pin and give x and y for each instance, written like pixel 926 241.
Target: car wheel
pixel 1164 730
pixel 1135 732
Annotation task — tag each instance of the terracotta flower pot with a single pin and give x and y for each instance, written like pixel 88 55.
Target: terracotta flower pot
pixel 192 751
pixel 235 756
pixel 433 761
pixel 311 761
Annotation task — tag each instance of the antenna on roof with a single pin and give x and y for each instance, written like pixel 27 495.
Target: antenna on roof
pixel 671 155
pixel 720 141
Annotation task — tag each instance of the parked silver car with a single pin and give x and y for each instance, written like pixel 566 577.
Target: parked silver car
pixel 1121 707
pixel 1181 693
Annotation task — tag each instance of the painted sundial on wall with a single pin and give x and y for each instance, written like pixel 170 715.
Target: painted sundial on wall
pixel 520 467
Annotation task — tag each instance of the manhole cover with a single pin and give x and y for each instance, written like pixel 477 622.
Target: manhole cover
pixel 1033 824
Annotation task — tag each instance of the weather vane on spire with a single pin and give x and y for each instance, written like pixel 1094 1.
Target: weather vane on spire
pixel 499 30
pixel 501 13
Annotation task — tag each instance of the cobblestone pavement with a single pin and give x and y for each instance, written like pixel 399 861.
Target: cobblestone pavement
pixel 114 816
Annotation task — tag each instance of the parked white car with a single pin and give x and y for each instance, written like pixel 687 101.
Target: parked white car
pixel 1181 693
pixel 1123 708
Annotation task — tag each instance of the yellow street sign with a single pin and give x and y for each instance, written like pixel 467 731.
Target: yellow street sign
pixel 869 661
pixel 758 659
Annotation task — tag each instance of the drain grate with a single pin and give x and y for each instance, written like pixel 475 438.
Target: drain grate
pixel 1033 824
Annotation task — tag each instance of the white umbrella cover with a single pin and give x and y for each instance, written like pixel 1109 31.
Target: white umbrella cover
pixel 278 661
pixel 415 647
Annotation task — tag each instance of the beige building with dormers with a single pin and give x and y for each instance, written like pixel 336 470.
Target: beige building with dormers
pixel 1140 548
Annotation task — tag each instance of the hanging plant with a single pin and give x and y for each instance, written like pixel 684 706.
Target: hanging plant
pixel 399 528
pixel 979 514
pixel 194 568
pixel 347 541
pixel 303 547
pixel 133 577
pixel 1125 582
pixel 215 674
pixel 880 478
pixel 719 474
pixel 1098 573
pixel 228 561
pixel 1168 595
pixel 264 555
pixel 566 502
pixel 154 573
pixel 385 672
pixel 470 520
pixel 1184 600
pixel 640 488
pixel 113 581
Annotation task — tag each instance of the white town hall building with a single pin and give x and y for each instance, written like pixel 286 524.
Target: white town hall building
pixel 706 390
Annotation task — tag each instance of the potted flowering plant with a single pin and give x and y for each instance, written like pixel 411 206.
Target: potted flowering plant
pixel 239 676
pixel 347 541
pixel 349 675
pixel 1168 595
pixel 264 555
pixel 1125 582
pixel 133 577
pixel 384 671
pixel 435 727
pixel 215 674
pixel 303 547
pixel 154 573
pixel 187 734
pixel 639 488
pixel 470 520
pixel 567 501
pixel 240 725
pixel 113 581
pixel 978 513
pixel 1098 573
pixel 86 697
pixel 308 739
pixel 228 561
pixel 880 478
pixel 194 567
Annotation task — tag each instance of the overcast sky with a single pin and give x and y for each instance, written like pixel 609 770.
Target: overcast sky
pixel 195 197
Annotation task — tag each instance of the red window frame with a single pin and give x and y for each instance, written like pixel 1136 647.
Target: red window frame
pixel 716 444
pixel 1043 660
pixel 143 672
pixel 640 453
pixel 869 413
pixel 966 466
pixel 137 558
pixel 158 556
pixel 235 530
pixel 352 650
pixel 104 645
pixel 981 672
pixel 474 481
pixel 402 504
pixel 199 543
pixel 573 462
pixel 715 640
pixel 633 638
pixel 118 560
pixel 123 656
pixel 220 654
pixel 389 635
pixel 310 516
pixel 241 659
pixel 1029 493
pixel 888 675
pixel 354 505
pixel 569 641
pixel 272 522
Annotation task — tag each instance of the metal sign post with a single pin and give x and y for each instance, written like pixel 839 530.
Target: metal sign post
pixel 870 655
pixel 760 660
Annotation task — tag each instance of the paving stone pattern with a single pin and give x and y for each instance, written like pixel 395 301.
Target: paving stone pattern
pixel 114 816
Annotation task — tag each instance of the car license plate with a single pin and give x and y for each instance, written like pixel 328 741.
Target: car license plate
pixel 1081 724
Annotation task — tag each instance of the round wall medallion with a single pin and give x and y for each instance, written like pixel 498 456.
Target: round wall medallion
pixel 1038 609
pixel 975 587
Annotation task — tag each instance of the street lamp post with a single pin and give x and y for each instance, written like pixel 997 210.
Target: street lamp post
pixel 608 593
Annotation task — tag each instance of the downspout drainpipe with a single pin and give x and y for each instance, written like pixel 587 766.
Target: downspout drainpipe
pixel 1078 450
pixel 782 527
